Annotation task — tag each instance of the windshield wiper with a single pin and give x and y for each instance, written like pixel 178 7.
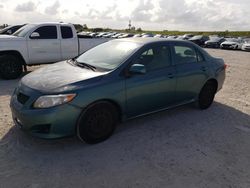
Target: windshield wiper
pixel 85 65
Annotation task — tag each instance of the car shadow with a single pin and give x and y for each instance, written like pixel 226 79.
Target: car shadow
pixel 183 136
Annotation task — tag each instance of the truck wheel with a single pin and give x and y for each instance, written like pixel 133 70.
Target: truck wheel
pixel 10 67
pixel 97 123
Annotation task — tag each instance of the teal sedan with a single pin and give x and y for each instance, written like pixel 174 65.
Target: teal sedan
pixel 113 82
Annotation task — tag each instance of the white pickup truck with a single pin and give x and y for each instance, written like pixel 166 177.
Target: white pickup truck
pixel 39 44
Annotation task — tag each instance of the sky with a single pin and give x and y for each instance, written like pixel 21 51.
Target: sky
pixel 183 15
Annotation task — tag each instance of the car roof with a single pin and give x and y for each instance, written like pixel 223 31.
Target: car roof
pixel 150 40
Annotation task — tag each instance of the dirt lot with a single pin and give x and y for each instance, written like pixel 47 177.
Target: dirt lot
pixel 183 147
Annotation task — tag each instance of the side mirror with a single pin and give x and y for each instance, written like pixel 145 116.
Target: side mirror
pixel 9 32
pixel 137 69
pixel 34 35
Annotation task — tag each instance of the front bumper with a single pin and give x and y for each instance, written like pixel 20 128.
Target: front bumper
pixel 228 47
pixel 246 48
pixel 55 122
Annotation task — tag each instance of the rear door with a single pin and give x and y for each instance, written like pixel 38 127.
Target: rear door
pixel 155 89
pixel 45 47
pixel 69 43
pixel 191 72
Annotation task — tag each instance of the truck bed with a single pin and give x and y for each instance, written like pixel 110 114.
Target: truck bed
pixel 87 43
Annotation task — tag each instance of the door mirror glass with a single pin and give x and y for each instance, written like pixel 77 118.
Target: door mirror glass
pixel 34 35
pixel 137 69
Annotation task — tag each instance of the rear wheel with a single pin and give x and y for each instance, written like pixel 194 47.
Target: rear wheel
pixel 206 96
pixel 97 123
pixel 10 67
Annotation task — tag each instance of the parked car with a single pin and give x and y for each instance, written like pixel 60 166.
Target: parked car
pixel 172 37
pixel 232 43
pixel 137 35
pixel 159 36
pixel 10 29
pixel 180 38
pixel 246 45
pixel 214 42
pixel 187 36
pixel 146 35
pixel 199 40
pixel 117 35
pixel 40 43
pixel 126 35
pixel 115 81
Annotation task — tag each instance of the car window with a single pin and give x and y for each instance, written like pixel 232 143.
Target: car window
pixel 184 54
pixel 155 58
pixel 46 32
pixel 66 32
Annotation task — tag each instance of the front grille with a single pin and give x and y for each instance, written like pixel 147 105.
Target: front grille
pixel 22 98
pixel 226 45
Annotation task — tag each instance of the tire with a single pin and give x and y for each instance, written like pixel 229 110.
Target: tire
pixel 206 95
pixel 10 67
pixel 97 123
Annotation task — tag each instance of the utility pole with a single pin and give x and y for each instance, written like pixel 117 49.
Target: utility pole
pixel 129 25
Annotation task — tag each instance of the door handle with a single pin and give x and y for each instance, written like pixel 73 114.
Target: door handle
pixel 171 75
pixel 204 68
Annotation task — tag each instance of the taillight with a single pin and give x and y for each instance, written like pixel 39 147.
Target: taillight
pixel 225 66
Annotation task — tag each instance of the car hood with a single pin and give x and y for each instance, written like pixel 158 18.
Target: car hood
pixel 231 43
pixel 246 44
pixel 9 37
pixel 58 77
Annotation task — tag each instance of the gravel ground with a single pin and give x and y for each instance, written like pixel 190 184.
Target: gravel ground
pixel 183 147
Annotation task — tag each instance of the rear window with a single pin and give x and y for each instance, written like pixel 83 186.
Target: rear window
pixel 66 32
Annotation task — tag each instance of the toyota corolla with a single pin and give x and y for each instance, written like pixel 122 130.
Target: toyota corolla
pixel 113 82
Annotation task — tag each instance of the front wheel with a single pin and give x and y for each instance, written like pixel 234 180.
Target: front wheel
pixel 10 67
pixel 97 123
pixel 206 96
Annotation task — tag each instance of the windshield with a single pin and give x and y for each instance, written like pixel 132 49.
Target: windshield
pixel 23 30
pixel 232 40
pixel 247 40
pixel 196 37
pixel 214 38
pixel 108 55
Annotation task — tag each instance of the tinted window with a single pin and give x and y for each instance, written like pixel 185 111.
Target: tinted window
pixel 47 32
pixel 66 32
pixel 184 54
pixel 155 58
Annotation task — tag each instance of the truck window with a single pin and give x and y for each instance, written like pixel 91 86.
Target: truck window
pixel 47 32
pixel 66 32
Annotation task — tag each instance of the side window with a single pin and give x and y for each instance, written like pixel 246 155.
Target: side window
pixel 66 32
pixel 155 58
pixel 46 32
pixel 184 54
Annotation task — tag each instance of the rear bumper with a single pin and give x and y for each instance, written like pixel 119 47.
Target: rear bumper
pixel 48 123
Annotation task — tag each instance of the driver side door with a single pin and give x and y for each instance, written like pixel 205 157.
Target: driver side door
pixel 155 89
pixel 46 47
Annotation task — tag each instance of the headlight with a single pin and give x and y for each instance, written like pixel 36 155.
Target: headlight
pixel 48 101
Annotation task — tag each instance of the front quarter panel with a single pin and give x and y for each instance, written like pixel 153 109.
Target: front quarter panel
pixel 109 88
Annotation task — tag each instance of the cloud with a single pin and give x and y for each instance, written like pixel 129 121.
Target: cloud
pixel 26 7
pixel 53 9
pixel 147 14
pixel 143 11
